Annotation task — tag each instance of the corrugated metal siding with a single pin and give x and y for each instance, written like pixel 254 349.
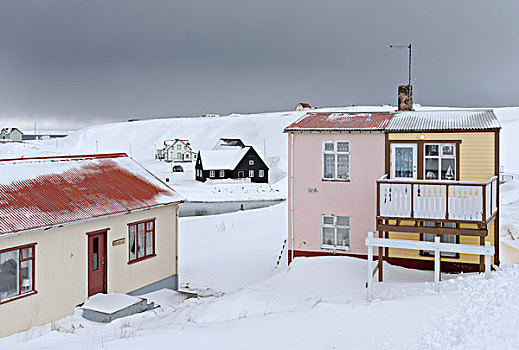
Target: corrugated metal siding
pixel 367 121
pixel 43 192
pixel 443 120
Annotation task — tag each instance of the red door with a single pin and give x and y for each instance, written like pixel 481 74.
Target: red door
pixel 96 262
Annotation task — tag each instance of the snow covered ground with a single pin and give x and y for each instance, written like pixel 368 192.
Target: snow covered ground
pixel 317 303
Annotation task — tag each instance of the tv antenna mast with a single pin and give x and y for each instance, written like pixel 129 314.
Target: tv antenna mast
pixel 403 47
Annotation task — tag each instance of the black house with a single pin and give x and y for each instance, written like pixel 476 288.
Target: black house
pixel 231 162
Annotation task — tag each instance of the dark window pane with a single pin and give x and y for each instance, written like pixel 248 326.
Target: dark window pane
pixel 448 150
pixel 95 253
pixel 448 169
pixel 431 168
pixel 9 278
pixel 432 150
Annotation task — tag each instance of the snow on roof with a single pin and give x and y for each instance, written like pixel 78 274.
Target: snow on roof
pixel 10 130
pixel 222 159
pixel 347 121
pixel 48 191
pixel 444 120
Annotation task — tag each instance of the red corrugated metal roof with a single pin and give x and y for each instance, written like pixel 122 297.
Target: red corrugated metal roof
pixel 368 121
pixel 48 191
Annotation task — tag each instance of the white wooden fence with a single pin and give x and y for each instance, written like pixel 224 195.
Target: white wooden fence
pixel 435 246
pixel 446 200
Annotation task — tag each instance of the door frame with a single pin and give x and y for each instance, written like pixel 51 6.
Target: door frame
pixel 414 146
pixel 103 233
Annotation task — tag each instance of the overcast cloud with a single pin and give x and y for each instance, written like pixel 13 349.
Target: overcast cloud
pixel 71 63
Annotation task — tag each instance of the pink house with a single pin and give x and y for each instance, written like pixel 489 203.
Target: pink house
pixel 338 158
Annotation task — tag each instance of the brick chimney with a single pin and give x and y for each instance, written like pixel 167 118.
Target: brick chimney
pixel 405 98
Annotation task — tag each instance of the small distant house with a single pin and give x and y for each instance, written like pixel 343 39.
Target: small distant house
pixel 10 134
pixel 75 226
pixel 231 159
pixel 176 150
pixel 303 106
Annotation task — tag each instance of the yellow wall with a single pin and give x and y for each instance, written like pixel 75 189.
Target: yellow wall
pixel 477 163
pixel 477 151
pixel 414 254
pixel 61 266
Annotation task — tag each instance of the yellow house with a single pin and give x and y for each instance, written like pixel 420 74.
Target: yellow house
pixel 441 179
pixel 74 226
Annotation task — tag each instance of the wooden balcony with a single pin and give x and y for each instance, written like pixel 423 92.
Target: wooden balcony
pixel 438 201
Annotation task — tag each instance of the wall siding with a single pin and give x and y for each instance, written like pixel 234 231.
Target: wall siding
pixel 477 163
pixel 61 266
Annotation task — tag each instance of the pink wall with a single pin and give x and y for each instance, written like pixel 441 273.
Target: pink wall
pixel 356 198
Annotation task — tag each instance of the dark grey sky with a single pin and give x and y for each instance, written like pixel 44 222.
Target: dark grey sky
pixel 70 63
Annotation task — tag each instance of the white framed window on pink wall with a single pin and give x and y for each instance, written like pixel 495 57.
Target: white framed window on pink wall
pixel 336 160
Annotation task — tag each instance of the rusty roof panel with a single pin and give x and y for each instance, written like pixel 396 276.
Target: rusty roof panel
pixel 48 191
pixel 333 121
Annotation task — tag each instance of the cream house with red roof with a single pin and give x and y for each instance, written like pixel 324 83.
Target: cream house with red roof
pixel 75 226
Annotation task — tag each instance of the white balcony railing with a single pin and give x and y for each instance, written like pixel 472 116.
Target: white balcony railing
pixel 441 200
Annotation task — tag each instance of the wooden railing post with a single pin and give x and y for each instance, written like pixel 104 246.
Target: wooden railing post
pixel 484 197
pixel 412 201
pixel 378 198
pixel 447 202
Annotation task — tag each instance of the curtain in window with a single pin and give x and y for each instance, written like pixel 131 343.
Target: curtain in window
pixel 140 240
pixel 9 278
pixel 342 166
pixel 329 166
pixel 133 249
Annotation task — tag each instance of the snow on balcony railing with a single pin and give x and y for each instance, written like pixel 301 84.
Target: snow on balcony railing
pixel 442 200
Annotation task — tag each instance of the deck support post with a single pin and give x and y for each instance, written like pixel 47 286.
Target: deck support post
pixel 380 259
pixel 487 261
pixel 437 264
pixel 370 259
pixel 481 257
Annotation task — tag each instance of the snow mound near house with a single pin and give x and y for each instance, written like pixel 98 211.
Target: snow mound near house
pixel 110 303
pixel 487 316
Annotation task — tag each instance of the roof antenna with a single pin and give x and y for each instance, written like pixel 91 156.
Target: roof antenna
pixel 405 92
pixel 403 47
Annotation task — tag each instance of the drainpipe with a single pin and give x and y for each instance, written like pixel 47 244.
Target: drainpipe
pixel 292 193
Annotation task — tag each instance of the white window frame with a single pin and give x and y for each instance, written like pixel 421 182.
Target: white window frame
pixel 440 157
pixel 335 153
pixel 212 173
pixel 222 173
pixel 179 147
pixel 335 226
pixel 251 173
pixel 261 173
pixel 251 161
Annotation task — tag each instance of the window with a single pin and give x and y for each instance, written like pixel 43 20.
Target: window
pixel 336 160
pixel 222 173
pixel 429 237
pixel 142 240
pixel 261 173
pixel 179 147
pixel 335 232
pixel 440 161
pixel 211 173
pixel 16 272
pixel 251 161
pixel 251 173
